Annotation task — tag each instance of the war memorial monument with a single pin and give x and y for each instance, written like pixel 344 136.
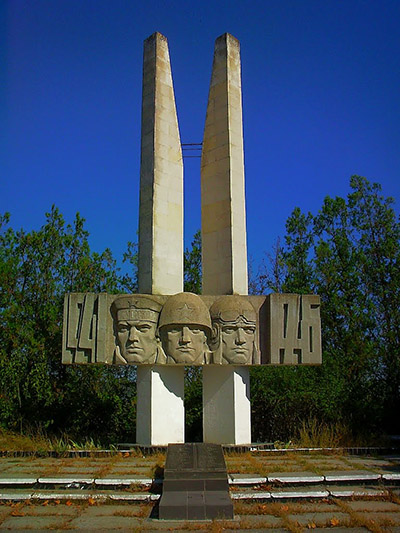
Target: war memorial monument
pixel 163 329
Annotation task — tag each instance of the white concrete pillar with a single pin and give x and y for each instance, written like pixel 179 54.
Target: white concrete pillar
pixel 226 392
pixel 160 408
pixel 160 391
pixel 226 405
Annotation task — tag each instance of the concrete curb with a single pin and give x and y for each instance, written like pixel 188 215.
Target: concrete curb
pixel 146 498
pixel 233 479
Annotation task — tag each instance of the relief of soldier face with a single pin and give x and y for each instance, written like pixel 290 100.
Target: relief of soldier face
pixel 234 339
pixel 135 328
pixel 185 328
pixel 185 343
pixel 238 340
pixel 137 340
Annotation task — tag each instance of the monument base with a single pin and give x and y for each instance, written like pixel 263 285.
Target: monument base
pixel 195 483
pixel 160 417
pixel 226 404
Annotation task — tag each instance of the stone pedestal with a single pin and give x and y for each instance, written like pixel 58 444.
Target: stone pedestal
pixel 160 411
pixel 226 404
pixel 195 483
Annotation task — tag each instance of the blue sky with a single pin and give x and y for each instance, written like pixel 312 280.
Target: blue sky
pixel 321 102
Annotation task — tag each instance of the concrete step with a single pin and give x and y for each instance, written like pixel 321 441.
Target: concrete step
pixel 317 492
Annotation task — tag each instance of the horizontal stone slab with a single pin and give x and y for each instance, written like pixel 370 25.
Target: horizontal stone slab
pixel 299 494
pixel 68 480
pixel 342 492
pixel 65 495
pixel 352 476
pixel 292 477
pixel 18 481
pixel 110 481
pixel 393 476
pixel 244 479
pixel 15 496
pixel 251 495
pixel 133 497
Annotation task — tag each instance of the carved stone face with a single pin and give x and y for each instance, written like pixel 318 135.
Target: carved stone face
pixel 135 328
pixel 234 331
pixel 185 328
pixel 185 343
pixel 238 340
pixel 137 340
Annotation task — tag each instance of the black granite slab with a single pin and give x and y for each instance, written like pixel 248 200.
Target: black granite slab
pixel 194 457
pixel 195 483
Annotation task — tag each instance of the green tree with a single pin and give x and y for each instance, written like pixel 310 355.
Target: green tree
pixel 348 253
pixel 36 269
pixel 192 265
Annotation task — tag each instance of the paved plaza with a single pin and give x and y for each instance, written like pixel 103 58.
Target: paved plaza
pixel 280 492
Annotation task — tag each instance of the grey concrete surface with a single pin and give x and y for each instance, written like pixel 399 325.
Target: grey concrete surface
pixel 125 506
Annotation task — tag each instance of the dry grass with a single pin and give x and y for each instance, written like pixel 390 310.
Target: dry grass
pixel 322 435
pixel 15 441
pixel 38 441
pixel 316 434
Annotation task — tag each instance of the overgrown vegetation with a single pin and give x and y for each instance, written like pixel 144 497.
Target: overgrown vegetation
pixel 37 392
pixel 348 253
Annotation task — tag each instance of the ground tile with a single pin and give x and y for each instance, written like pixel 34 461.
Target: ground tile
pixel 259 520
pixel 13 523
pixel 382 518
pixel 94 523
pixel 4 511
pixel 117 510
pixel 295 477
pixel 321 519
pixel 145 472
pixel 312 507
pixel 50 510
pixel 369 462
pixel 374 506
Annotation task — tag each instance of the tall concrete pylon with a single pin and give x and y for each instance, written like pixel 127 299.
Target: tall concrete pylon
pixel 161 176
pixel 226 389
pixel 223 215
pixel 160 389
